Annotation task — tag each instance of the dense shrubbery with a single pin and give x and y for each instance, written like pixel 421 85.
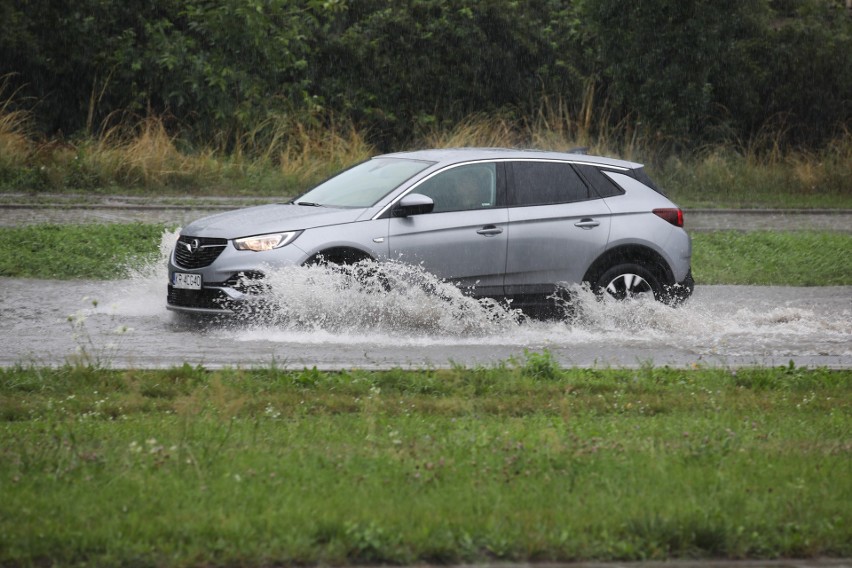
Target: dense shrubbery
pixel 684 73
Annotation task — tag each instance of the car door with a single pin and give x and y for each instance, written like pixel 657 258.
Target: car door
pixel 557 227
pixel 463 239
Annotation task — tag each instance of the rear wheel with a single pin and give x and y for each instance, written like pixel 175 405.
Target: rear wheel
pixel 625 281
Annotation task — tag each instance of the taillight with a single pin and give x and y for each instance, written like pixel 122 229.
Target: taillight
pixel 672 215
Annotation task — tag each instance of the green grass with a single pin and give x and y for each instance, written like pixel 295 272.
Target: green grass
pixel 725 257
pixel 773 258
pixel 524 461
pixel 67 252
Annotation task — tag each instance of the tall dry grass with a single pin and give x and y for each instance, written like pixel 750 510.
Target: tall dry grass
pixel 148 155
pixel 476 130
pixel 758 173
pixel 16 146
pixel 285 155
pixel 309 153
pixel 145 154
pixel 554 126
pixel 761 177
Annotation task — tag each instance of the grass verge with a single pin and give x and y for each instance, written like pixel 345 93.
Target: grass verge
pixel 722 178
pixel 525 461
pixel 726 257
pixel 67 252
pixel 772 258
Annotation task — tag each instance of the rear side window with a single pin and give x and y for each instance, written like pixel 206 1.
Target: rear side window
pixel 601 183
pixel 544 183
pixel 642 176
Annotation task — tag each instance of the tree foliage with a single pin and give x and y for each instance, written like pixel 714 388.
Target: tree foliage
pixel 690 70
pixel 668 61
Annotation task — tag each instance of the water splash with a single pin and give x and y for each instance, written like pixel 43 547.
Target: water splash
pixel 398 304
pixel 143 292
pixel 384 298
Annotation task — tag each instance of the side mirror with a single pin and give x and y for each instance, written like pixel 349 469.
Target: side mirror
pixel 413 204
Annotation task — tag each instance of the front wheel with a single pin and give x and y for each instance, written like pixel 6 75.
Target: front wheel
pixel 625 281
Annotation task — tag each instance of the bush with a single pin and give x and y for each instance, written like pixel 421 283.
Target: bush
pixel 681 73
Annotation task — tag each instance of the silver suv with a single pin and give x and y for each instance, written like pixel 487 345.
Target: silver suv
pixel 514 224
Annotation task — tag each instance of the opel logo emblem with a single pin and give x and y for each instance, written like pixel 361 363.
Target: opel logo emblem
pixel 192 246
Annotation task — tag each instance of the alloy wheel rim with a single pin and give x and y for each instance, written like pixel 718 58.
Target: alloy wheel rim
pixel 628 286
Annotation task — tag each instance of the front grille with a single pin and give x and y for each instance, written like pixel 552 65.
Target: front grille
pixel 198 252
pixel 206 298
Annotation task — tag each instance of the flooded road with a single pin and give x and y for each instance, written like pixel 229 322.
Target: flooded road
pixel 125 324
pixel 321 322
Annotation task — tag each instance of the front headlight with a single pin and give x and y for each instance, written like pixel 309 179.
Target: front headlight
pixel 259 243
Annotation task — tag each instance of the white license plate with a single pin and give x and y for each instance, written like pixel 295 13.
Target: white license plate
pixel 186 281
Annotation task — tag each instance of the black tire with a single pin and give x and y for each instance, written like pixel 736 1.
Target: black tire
pixel 628 280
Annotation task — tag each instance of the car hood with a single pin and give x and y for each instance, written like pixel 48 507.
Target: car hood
pixel 269 219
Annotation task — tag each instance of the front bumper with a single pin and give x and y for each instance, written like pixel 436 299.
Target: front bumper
pixel 208 300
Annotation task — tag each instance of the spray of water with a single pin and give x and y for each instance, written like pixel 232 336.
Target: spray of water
pixel 377 298
pixel 143 292
pixel 395 303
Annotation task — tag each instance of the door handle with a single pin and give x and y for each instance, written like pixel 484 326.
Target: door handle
pixel 489 231
pixel 587 223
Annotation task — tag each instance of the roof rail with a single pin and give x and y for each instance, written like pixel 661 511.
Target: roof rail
pixel 579 150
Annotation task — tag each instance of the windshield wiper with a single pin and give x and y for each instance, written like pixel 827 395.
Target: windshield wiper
pixel 309 204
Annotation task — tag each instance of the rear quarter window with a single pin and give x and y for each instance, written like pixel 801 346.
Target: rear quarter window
pixel 602 184
pixel 642 176
pixel 546 183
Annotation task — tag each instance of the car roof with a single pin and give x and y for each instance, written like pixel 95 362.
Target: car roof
pixel 448 156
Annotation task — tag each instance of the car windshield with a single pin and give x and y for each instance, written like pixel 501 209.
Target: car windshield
pixel 363 185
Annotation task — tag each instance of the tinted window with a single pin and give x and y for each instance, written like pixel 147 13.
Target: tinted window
pixel 542 183
pixel 602 184
pixel 463 188
pixel 640 175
